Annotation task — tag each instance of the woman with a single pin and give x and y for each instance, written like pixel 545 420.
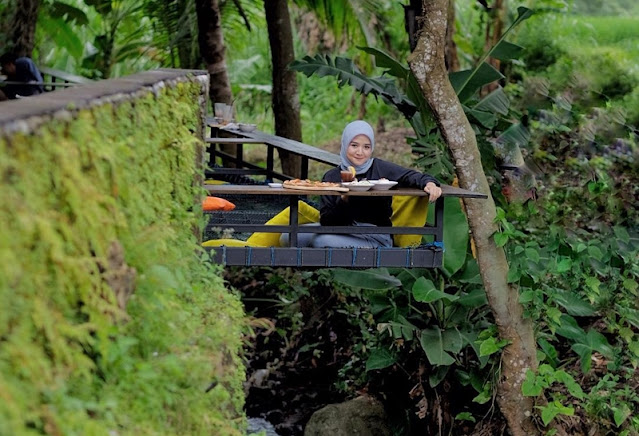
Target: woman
pixel 358 144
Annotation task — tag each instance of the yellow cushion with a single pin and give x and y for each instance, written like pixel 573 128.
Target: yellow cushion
pixel 409 212
pixel 215 182
pixel 306 214
pixel 225 242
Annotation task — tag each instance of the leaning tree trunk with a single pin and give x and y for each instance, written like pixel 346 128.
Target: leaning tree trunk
pixel 286 104
pixel 22 27
pixel 212 50
pixel 427 63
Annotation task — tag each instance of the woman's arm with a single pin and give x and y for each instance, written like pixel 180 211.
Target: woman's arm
pixel 410 178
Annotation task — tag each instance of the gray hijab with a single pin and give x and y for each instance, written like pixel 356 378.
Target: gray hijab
pixel 350 131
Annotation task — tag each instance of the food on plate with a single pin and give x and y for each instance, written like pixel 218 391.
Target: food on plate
pixel 313 185
pixel 362 182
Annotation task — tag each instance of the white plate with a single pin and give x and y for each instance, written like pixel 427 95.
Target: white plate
pixel 354 186
pixel 275 185
pixel 382 185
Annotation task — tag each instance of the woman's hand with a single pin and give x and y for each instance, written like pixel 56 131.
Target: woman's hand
pixel 433 191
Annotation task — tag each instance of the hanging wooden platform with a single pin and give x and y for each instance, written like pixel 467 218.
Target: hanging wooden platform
pixel 425 256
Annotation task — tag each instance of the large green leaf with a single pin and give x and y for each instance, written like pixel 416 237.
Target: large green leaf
pixel 486 119
pixel 452 340
pixel 436 377
pixel 594 341
pixel 386 61
pixel 506 51
pixel 102 6
pixel 466 83
pixel 62 34
pixel 475 298
pixel 375 279
pixel 516 135
pixel 570 329
pixel 380 359
pixel 347 73
pixel 496 102
pixel 425 291
pixel 69 13
pixel 455 236
pixel 432 342
pixel 470 274
pixel 573 304
pixel 470 338
pixel 405 75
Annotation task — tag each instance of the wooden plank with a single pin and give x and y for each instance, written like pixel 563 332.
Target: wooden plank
pixel 72 78
pixel 423 257
pixel 289 145
pixel 215 140
pixel 447 191
pixel 404 230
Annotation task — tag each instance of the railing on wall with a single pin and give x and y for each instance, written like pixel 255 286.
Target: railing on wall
pixel 53 79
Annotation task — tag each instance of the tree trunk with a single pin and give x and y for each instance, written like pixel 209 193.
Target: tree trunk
pixel 187 52
pixel 286 104
pixel 452 60
pixel 412 22
pixel 22 27
pixel 212 50
pixel 427 63
pixel 494 29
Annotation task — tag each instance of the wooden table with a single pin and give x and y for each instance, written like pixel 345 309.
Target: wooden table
pixel 340 257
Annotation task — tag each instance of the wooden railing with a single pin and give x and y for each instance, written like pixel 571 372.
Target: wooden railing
pixel 53 79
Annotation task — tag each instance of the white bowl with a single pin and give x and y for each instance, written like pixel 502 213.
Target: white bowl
pixel 382 185
pixel 247 127
pixel 356 186
pixel 275 185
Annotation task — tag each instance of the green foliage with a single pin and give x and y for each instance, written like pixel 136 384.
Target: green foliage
pixel 86 201
pixel 420 315
pixel 546 376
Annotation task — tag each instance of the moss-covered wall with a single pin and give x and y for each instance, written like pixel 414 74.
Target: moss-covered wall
pixel 110 322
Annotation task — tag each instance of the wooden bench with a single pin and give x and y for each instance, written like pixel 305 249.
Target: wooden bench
pixel 272 142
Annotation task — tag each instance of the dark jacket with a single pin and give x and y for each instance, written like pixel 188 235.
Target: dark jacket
pixel 26 72
pixel 374 210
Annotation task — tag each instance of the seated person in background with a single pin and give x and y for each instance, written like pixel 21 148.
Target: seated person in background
pixel 358 143
pixel 20 69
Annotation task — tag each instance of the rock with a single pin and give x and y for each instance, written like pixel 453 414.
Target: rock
pixel 257 425
pixel 363 416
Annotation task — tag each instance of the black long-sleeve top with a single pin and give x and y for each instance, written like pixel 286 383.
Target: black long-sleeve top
pixel 374 210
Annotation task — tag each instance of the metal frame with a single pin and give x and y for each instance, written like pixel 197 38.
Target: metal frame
pixel 427 256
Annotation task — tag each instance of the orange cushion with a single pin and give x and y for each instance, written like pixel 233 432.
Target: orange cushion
pixel 216 203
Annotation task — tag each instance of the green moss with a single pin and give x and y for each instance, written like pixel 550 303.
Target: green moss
pixel 72 361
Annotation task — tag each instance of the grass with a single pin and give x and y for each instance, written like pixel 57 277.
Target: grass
pixel 575 33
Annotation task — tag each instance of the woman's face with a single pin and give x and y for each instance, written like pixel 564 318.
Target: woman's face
pixel 359 150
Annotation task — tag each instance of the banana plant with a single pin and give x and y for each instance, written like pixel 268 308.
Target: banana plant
pixel 398 87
